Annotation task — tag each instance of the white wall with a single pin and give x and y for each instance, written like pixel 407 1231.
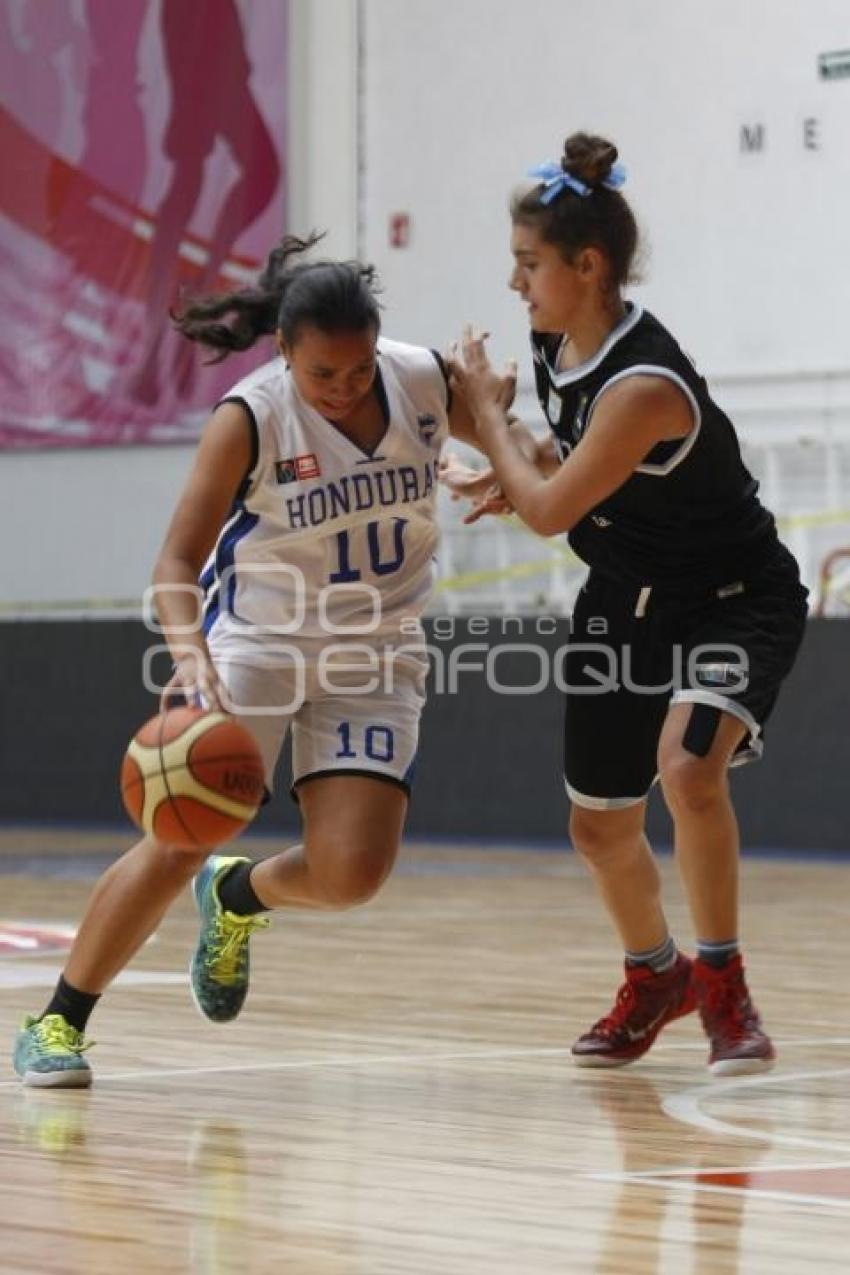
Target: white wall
pixel 749 252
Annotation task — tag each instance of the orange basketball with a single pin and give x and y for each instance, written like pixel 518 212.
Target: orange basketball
pixel 192 778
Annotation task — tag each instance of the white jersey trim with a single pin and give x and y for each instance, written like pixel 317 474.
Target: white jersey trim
pixel 651 369
pixel 576 373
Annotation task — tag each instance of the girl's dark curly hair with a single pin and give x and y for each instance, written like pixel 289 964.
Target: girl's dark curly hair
pixel 334 296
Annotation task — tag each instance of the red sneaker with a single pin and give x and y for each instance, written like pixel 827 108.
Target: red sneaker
pixel 739 1043
pixel 645 1003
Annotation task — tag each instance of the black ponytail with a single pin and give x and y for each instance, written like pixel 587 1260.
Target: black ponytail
pixel 334 296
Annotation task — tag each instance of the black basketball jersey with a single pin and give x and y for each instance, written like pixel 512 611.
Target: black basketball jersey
pixel 689 516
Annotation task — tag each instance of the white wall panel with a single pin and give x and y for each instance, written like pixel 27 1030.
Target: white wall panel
pixel 748 252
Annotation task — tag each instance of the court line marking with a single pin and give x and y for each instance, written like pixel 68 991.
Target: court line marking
pixel 686 1107
pixel 27 975
pixel 747 1193
pixel 482 1055
pixel 339 1060
pixel 612 1175
pixel 788 1043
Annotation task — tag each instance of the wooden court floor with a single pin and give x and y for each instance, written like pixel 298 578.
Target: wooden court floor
pixel 397 1096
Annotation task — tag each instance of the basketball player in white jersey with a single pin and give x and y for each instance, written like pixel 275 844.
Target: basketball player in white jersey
pixel 309 520
pixel 690 617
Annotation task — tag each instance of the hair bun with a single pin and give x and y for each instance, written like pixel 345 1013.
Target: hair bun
pixel 588 158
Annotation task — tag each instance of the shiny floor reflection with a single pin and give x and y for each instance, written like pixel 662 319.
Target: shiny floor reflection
pixel 398 1098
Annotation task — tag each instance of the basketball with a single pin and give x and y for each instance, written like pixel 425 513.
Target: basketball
pixel 192 778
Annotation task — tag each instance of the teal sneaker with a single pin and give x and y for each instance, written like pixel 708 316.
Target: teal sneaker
pixel 49 1054
pixel 221 965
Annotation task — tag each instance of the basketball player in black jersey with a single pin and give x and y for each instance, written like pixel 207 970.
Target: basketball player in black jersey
pixel 690 617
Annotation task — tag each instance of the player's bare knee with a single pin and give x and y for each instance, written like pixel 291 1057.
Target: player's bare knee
pixel 343 891
pixel 691 784
pixel 176 861
pixel 355 877
pixel 595 835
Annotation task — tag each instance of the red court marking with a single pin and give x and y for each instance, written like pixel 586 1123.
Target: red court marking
pixel 22 939
pixel 832 1182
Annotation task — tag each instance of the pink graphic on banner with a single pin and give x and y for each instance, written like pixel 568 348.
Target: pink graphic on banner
pixel 144 162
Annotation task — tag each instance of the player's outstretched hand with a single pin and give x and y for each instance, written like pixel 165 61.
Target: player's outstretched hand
pixel 476 378
pixel 478 485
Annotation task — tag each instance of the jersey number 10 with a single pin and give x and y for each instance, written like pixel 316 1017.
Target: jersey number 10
pixel 346 573
pixel 379 742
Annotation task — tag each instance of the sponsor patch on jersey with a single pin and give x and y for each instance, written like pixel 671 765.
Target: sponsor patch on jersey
pixel 296 468
pixel 307 466
pixel 427 423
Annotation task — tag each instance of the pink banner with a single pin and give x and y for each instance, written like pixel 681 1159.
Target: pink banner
pixel 143 150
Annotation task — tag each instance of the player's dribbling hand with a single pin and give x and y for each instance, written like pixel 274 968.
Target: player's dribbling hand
pixel 193 681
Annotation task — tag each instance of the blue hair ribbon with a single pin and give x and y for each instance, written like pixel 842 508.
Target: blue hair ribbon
pixel 555 181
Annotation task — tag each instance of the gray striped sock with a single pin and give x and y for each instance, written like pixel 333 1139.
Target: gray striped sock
pixel 717 954
pixel 659 959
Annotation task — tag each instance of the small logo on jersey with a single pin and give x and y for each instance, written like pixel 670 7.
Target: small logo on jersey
pixel 600 521
pixel 296 468
pixel 427 426
pixel 720 674
pixel 553 407
pixel 307 466
pixel 579 423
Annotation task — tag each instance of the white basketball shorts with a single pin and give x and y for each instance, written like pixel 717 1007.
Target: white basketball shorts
pixel 352 709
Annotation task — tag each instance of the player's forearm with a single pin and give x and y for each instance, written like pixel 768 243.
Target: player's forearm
pixel 178 602
pixel 547 460
pixel 514 462
pixel 522 436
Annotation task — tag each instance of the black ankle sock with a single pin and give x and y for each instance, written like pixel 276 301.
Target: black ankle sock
pixel 235 893
pixel 74 1006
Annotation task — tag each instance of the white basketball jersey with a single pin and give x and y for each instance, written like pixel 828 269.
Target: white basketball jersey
pixel 325 541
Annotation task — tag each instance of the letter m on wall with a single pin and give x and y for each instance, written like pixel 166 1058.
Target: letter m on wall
pixel 752 138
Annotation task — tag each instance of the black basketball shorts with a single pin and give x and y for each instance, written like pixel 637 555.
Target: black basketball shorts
pixel 633 652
